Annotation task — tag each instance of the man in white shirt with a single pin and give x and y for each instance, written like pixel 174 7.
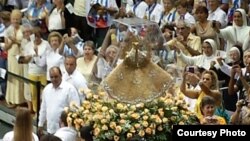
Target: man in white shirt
pixel 65 133
pixel 216 13
pixel 73 76
pixel 56 96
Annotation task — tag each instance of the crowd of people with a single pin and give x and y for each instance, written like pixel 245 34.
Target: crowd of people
pixel 71 45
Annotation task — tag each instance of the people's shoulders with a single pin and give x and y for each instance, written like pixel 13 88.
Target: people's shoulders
pixel 8 136
pixel 66 133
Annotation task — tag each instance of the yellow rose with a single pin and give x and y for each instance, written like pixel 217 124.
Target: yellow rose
pixel 174 109
pixel 112 125
pixel 168 102
pixel 108 117
pixel 123 116
pixel 96 131
pixel 86 104
pixel 164 120
pixel 118 129
pixel 133 108
pixel 102 93
pixel 173 118
pixel 104 127
pixel 135 116
pixel 95 96
pixel 137 126
pixel 185 117
pixel 181 97
pixel 111 111
pixel 103 121
pixel 104 108
pixel 158 120
pixel 122 121
pixel 153 117
pixel 149 131
pixel 119 106
pixel 181 123
pixel 146 111
pixel 86 112
pixel 129 135
pixel 98 106
pixel 152 125
pixel 145 117
pixel 132 130
pixel 162 99
pixel 89 95
pixel 116 138
pixel 145 123
pixel 159 128
pixel 141 133
pixel 74 115
pixel 140 105
pixel 130 112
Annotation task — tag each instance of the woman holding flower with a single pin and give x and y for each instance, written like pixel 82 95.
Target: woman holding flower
pixel 208 86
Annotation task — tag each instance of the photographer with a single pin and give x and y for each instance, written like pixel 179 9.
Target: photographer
pixel 208 107
pixel 242 114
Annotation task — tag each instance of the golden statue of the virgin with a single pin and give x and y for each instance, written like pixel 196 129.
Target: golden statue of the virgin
pixel 137 79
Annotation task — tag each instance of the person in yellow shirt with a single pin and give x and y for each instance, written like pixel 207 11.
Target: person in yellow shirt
pixel 208 117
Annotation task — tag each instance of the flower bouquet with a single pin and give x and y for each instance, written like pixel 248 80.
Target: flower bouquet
pixel 113 120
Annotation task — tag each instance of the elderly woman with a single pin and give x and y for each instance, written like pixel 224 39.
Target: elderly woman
pixel 209 49
pixel 12 39
pixel 209 86
pixel 106 63
pixel 53 58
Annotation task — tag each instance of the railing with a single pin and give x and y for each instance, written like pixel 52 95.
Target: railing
pixel 38 88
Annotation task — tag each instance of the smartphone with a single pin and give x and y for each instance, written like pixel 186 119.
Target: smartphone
pixel 190 69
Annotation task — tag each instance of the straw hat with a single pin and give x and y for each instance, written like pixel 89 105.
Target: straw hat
pixel 137 79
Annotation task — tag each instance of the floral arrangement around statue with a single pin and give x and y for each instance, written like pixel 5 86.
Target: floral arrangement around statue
pixel 113 120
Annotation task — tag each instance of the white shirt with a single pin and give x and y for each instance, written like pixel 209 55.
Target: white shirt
pixel 66 134
pixel 77 80
pixel 54 100
pixel 138 9
pixel 153 12
pixel 81 7
pixel 53 58
pixel 55 20
pixel 218 15
pixel 9 136
pixel 37 63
